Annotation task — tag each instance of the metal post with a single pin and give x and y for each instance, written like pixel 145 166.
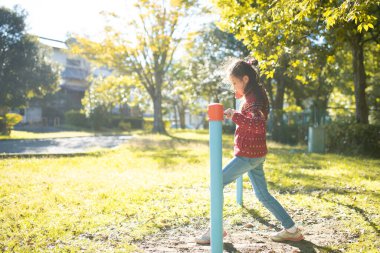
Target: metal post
pixel 239 180
pixel 215 113
pixel 239 190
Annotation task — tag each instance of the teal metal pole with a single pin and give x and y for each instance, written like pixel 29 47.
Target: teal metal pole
pixel 239 190
pixel 215 112
pixel 239 180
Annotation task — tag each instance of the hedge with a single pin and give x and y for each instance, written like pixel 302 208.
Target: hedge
pixel 353 139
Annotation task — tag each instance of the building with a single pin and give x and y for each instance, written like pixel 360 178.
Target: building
pixel 74 73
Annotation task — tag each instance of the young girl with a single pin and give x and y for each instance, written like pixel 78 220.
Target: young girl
pixel 250 146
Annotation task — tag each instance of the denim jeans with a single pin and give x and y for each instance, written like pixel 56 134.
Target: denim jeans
pixel 254 166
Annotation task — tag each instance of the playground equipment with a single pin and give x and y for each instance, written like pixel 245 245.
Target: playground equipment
pixel 215 114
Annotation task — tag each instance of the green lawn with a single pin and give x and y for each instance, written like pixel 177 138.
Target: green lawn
pixel 111 200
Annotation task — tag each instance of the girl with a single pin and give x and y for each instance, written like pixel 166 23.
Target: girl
pixel 250 146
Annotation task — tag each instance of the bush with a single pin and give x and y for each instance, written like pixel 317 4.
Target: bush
pixel 148 124
pixel 76 118
pixel 100 118
pixel 136 123
pixel 353 139
pixel 126 126
pixel 11 119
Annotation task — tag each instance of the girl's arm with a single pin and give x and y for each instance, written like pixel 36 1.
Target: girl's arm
pixel 255 118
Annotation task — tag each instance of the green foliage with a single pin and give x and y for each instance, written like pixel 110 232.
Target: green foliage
pixel 148 124
pixel 100 118
pixel 9 121
pixel 24 70
pixel 12 119
pixel 353 139
pixel 110 92
pixel 209 51
pixel 126 126
pixel 76 118
pixel 300 43
pixel 147 58
pixel 132 122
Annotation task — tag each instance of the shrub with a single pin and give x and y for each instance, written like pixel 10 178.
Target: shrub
pixel 11 119
pixel 126 126
pixel 148 124
pixel 76 118
pixel 100 118
pixel 136 123
pixel 353 139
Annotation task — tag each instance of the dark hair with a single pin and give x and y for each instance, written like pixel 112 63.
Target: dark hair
pixel 250 68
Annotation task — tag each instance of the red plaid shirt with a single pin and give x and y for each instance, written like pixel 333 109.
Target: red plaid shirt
pixel 250 133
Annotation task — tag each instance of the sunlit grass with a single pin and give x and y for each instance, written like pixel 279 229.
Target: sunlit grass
pixel 111 200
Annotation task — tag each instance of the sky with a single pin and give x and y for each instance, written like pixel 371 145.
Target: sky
pixel 56 19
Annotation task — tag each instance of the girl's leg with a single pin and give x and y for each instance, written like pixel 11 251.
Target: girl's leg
pixel 259 184
pixel 238 166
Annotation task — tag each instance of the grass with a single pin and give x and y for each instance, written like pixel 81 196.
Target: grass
pixel 112 200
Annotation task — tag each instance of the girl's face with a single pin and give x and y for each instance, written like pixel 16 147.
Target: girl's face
pixel 239 85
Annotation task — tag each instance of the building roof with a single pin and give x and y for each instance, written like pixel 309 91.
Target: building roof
pixel 53 43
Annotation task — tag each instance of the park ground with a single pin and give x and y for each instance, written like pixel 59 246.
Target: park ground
pixel 151 195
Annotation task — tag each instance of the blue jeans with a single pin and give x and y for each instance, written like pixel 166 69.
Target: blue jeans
pixel 254 166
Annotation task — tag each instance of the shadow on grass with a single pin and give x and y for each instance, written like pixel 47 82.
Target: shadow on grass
pixel 184 140
pixel 359 211
pixel 338 191
pixel 259 218
pixel 309 247
pixel 230 248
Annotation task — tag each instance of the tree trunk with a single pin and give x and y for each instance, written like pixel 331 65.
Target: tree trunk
pixel 158 124
pixel 175 115
pixel 278 106
pixel 269 89
pixel 182 117
pixel 359 79
pixel 3 123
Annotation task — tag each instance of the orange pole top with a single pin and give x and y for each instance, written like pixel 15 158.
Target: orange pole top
pixel 215 112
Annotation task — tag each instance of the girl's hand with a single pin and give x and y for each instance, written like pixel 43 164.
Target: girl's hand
pixel 228 113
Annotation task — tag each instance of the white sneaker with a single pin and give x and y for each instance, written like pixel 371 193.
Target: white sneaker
pixel 205 239
pixel 285 235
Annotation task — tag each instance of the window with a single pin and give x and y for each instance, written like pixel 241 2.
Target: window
pixel 73 63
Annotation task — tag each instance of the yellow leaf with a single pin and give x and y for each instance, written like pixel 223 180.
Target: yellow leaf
pixel 330 59
pixel 360 27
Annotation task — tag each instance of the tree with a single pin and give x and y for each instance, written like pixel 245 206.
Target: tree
pixel 209 52
pixel 355 23
pixel 110 92
pixel 150 55
pixel 24 70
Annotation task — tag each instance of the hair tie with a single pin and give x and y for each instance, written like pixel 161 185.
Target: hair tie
pixel 253 62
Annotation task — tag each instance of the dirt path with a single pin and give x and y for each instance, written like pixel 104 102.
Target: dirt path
pixel 253 236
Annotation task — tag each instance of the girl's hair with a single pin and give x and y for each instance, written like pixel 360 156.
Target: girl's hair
pixel 250 68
